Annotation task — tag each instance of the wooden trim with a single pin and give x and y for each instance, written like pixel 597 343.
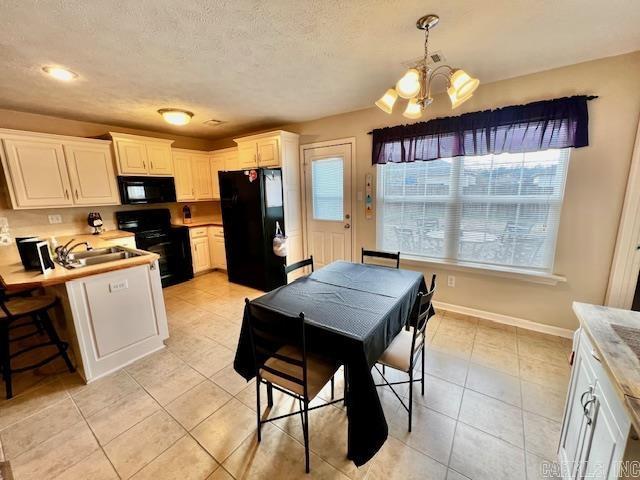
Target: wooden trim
pixel 258 136
pixel 9 133
pixel 354 183
pixel 506 319
pixel 139 138
pixel 626 259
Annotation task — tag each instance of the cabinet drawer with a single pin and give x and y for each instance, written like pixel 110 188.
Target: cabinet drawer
pixel 216 232
pixel 197 232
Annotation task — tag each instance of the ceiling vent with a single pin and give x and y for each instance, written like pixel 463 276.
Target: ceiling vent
pixel 435 59
pixel 213 123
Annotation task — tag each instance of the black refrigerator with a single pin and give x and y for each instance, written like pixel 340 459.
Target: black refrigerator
pixel 252 203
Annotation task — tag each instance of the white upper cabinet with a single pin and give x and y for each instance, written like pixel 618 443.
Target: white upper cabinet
pixel 193 175
pixel 268 152
pixel 183 168
pixel 93 179
pixel 46 171
pixel 202 178
pixel 247 155
pixel 160 159
pixel 222 160
pixel 262 150
pixel 38 173
pixel 136 155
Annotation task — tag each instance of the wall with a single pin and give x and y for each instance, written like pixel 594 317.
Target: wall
pixel 74 220
pixel 594 192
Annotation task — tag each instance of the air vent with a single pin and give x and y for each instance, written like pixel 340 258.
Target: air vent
pixel 435 59
pixel 213 123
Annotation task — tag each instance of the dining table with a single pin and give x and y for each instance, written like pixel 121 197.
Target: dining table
pixel 352 313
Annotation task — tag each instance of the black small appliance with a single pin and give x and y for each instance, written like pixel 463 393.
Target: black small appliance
pixel 252 203
pixel 95 220
pixel 154 233
pixel 143 190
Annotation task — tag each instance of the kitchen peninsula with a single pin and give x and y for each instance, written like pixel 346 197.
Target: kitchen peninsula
pixel 112 312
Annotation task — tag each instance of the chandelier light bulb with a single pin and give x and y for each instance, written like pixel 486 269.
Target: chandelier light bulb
pixel 413 110
pixel 409 85
pixel 386 102
pixel 463 84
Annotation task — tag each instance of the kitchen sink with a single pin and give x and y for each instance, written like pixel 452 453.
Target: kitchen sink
pixel 98 256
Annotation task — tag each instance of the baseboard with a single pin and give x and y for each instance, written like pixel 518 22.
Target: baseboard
pixel 506 319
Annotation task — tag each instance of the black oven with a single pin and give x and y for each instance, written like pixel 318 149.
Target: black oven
pixel 154 233
pixel 139 190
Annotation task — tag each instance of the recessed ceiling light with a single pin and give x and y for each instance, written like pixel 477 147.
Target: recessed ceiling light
pixel 60 73
pixel 175 116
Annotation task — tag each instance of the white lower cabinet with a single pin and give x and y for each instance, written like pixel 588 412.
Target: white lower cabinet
pixel 118 317
pixel 200 254
pixel 218 252
pixel 595 426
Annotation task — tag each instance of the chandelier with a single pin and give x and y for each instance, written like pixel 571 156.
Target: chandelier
pixel 415 84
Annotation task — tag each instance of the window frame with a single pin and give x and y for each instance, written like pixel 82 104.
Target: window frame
pixel 452 200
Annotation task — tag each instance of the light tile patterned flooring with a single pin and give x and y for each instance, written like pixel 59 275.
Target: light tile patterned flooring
pixel 494 399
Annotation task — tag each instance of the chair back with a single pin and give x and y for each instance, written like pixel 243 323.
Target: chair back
pixel 301 264
pixel 424 313
pixel 377 254
pixel 269 332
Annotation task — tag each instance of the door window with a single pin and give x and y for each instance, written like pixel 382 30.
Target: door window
pixel 327 188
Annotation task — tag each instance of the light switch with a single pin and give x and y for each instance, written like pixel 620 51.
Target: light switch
pixel 119 285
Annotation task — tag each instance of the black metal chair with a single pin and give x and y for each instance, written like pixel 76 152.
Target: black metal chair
pixel 403 351
pixel 377 254
pixel 33 311
pixel 301 264
pixel 282 361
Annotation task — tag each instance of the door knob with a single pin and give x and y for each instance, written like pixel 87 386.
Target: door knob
pixel 347 226
pixel 347 216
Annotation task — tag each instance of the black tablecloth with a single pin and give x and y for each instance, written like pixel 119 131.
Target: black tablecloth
pixel 354 311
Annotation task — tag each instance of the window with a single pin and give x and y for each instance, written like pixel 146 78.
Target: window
pixel 327 179
pixel 499 210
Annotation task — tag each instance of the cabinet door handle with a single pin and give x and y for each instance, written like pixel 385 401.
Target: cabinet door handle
pixel 152 165
pixel 594 354
pixel 77 196
pixel 66 194
pixel 144 164
pixel 586 410
pixel 584 394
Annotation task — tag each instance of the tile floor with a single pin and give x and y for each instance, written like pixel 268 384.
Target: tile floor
pixel 493 402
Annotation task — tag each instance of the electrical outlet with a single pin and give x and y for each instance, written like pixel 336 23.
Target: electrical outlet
pixel 451 281
pixel 55 219
pixel 118 285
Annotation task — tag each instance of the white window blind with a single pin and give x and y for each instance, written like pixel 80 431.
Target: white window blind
pixel 327 181
pixel 500 210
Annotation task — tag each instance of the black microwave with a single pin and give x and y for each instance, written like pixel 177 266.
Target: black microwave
pixel 137 190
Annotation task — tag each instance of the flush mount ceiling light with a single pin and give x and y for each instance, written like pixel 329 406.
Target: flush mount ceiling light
pixel 175 116
pixel 415 84
pixel 60 73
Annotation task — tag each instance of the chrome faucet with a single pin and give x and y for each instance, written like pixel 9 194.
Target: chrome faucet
pixel 63 251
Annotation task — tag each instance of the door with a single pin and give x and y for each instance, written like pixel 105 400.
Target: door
pixel 160 162
pixel 200 254
pixel 38 173
pixel 93 180
pixel 182 166
pixel 132 157
pixel 268 153
pixel 202 177
pixel 247 155
pixel 328 203
pixel 217 165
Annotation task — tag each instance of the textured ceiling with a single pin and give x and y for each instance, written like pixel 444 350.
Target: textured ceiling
pixel 258 64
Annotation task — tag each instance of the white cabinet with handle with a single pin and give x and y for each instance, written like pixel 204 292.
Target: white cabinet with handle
pixel 137 155
pixel 200 252
pixel 222 160
pixel 46 171
pixel 261 150
pixel 193 176
pixel 218 252
pixel 595 427
pixel 93 179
